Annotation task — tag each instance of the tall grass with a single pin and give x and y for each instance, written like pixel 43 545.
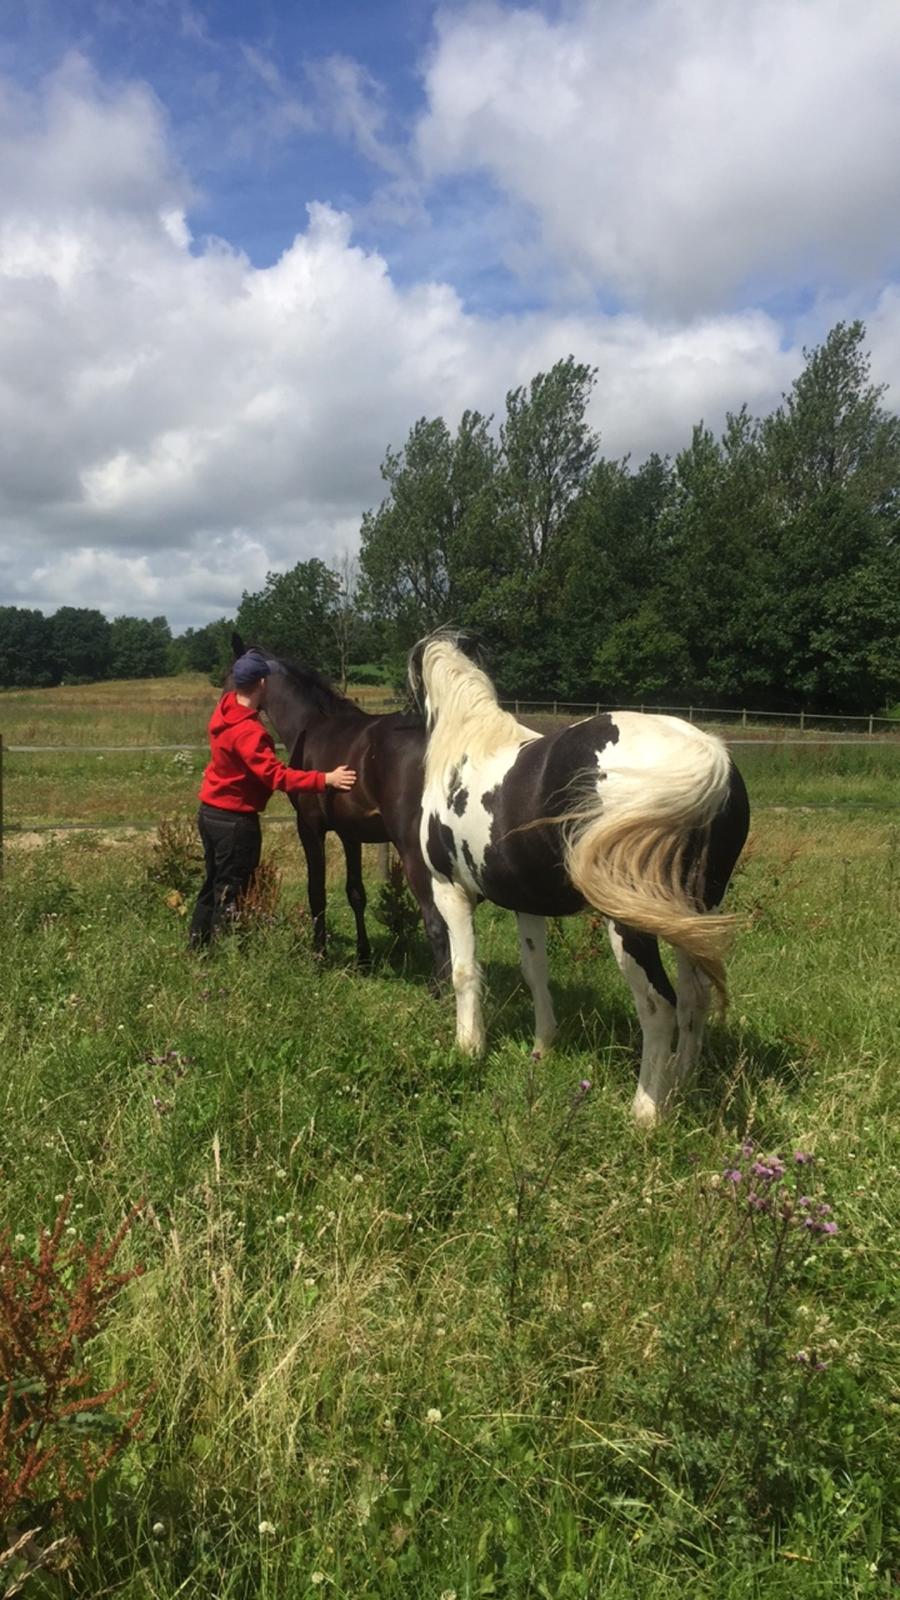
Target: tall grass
pixel 342 1402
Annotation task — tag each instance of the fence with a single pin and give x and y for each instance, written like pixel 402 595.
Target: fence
pixel 866 729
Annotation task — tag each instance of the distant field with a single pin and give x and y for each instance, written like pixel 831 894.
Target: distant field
pixel 65 785
pixel 411 1325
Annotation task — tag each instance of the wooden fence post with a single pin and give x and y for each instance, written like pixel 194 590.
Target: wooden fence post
pixel 1 805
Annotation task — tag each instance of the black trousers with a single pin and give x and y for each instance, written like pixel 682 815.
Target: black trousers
pixel 232 841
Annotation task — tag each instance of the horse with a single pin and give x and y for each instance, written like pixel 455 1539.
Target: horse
pixel 641 817
pixel 322 729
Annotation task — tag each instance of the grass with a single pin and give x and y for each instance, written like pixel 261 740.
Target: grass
pixel 331 1197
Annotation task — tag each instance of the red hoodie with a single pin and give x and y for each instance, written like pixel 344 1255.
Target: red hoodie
pixel 244 769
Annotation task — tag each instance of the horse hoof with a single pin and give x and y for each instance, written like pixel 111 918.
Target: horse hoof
pixel 645 1111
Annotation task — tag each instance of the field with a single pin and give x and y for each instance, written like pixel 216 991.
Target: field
pixel 413 1326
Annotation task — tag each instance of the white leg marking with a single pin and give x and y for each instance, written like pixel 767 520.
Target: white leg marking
pixel 533 952
pixel 693 989
pixel 456 909
pixel 657 1019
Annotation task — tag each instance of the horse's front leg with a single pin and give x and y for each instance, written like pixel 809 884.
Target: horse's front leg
pixel 356 895
pixel 313 841
pixel 533 953
pixel 456 909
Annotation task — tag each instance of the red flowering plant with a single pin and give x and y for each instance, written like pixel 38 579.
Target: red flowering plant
pixel 58 1429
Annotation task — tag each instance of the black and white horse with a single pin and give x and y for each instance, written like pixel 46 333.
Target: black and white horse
pixel 642 817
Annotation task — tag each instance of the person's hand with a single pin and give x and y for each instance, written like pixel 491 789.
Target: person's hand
pixel 340 778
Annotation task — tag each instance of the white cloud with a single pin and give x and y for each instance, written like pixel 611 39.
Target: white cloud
pixel 676 151
pixel 175 421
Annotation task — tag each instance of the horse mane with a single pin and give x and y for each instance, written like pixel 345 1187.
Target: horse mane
pixel 464 715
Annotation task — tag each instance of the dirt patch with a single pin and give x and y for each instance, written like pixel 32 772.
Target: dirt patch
pixel 106 838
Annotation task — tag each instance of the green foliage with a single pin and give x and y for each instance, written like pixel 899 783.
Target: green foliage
pixel 424 550
pixel 26 648
pixel 176 861
pixel 206 649
pixel 292 614
pixel 140 648
pixel 396 910
pixel 81 641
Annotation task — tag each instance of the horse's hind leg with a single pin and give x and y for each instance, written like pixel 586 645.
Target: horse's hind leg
pixel 456 909
pixel 533 952
pixel 356 895
pixel 641 966
pixel 420 882
pixel 694 993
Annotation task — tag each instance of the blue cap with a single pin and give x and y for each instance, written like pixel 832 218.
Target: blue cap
pixel 249 668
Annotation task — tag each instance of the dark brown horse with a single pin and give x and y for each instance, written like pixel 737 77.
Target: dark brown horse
pixel 322 729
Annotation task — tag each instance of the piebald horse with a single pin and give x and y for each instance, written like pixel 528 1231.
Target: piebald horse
pixel 641 817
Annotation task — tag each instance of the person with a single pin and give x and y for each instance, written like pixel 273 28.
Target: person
pixel 243 772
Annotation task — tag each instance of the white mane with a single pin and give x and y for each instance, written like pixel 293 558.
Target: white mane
pixel 465 717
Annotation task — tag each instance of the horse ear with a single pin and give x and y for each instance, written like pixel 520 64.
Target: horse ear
pixel 237 645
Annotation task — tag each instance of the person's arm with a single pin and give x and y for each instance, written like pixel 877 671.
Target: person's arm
pixel 255 747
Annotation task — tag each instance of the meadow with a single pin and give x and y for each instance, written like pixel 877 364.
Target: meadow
pixel 409 1325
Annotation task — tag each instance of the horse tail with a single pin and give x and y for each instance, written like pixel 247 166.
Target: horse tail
pixel 637 849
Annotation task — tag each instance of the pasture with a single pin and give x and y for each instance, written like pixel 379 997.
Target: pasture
pixel 414 1326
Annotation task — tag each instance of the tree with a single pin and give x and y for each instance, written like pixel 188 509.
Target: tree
pixel 81 642
pixel 292 614
pixel 547 451
pixel 345 615
pixel 424 552
pixel 140 649
pixel 26 649
pixel 833 462
pixel 206 649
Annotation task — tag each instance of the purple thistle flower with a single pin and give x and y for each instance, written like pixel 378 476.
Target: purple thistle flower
pixel 763 1170
pixel 748 1147
pixel 733 1175
pixel 585 1085
pixel 823 1210
pixel 802 1158
pixel 804 1200
pixel 759 1202
pixel 828 1227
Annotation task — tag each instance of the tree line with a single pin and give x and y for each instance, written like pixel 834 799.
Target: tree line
pixel 760 567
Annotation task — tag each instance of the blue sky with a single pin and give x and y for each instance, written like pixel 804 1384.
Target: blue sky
pixel 243 248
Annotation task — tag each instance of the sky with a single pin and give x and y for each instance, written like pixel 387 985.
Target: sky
pixel 243 248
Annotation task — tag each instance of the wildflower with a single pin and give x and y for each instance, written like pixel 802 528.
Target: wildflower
pixel 585 1085
pixel 317 1578
pixel 20 1238
pixel 747 1148
pixel 266 1528
pixel 802 1158
pixel 759 1202
pixel 450 1594
pixel 433 1416
pixel 158 1530
pixel 358 1178
pixel 280 1221
pixel 733 1175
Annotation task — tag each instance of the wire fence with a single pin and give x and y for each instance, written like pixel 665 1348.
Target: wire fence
pixel 761 728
